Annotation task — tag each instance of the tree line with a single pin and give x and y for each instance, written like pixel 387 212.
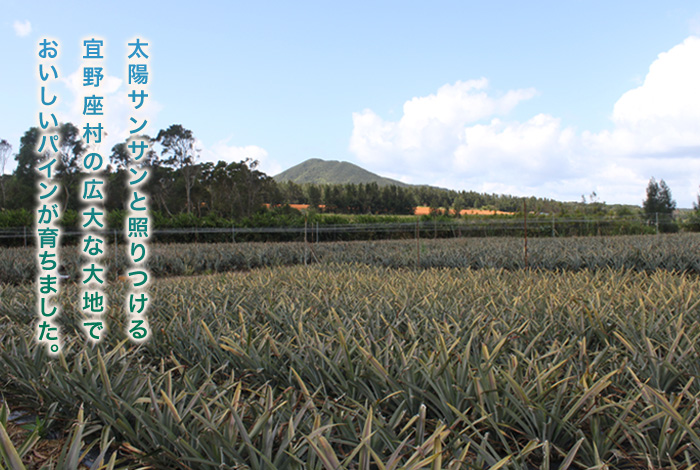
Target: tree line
pixel 181 184
pixel 176 181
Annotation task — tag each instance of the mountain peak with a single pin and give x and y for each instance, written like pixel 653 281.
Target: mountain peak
pixel 318 171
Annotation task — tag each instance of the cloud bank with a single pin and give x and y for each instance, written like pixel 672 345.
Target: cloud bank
pixel 461 137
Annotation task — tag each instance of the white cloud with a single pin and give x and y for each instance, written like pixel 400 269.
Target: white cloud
pixel 662 116
pixel 461 137
pixel 22 28
pixel 527 151
pixel 430 125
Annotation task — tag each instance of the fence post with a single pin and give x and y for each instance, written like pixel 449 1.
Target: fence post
pixel 657 222
pixel 417 243
pixel 306 225
pixel 25 236
pixel 525 227
pixel 553 231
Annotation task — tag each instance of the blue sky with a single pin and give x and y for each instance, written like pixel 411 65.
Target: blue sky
pixel 554 99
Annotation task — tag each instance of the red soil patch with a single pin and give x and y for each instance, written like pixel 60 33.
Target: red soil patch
pixel 425 210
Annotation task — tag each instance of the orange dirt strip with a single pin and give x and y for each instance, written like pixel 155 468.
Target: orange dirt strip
pixel 425 210
pixel 420 210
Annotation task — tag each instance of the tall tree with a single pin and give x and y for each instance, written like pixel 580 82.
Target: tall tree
pixel 5 151
pixel 255 184
pixel 314 195
pixel 25 174
pixel 694 219
pixel 119 160
pixel 236 189
pixel 179 149
pixel 659 205
pixel 66 169
pixel 161 181
pixel 27 157
pixel 121 155
pixel 68 172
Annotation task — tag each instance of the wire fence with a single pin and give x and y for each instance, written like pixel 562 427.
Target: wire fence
pixel 533 226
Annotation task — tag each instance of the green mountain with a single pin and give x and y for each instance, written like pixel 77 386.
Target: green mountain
pixel 317 171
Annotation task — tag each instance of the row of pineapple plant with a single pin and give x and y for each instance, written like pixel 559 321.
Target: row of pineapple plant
pixel 676 252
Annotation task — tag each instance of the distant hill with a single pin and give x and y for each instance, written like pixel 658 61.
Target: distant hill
pixel 317 171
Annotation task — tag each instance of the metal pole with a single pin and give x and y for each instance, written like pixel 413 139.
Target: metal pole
pixel 25 237
pixel 306 224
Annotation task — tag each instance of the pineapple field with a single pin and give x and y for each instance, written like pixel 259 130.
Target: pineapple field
pixel 370 355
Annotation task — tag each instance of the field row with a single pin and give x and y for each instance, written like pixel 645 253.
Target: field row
pixel 678 252
pixel 351 366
